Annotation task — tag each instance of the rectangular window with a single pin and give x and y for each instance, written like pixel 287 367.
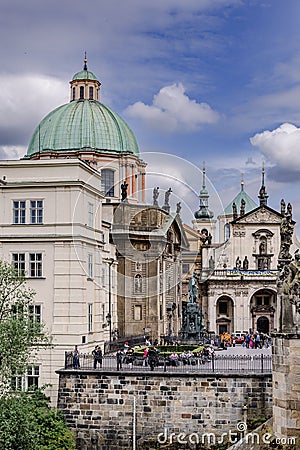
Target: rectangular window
pixel 35 265
pixel 23 382
pixel 36 211
pixel 137 313
pixel 19 211
pixel 90 215
pixel 90 265
pixel 35 313
pixel 32 376
pixel 107 182
pixel 90 317
pixel 185 268
pixel 18 263
pixel 91 93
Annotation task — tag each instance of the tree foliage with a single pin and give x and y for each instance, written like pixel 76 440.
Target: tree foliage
pixel 27 422
pixel 20 335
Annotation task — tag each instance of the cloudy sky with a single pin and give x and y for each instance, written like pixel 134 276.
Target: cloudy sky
pixel 213 80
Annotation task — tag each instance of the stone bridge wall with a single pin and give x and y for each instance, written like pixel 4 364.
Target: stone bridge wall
pixel 107 409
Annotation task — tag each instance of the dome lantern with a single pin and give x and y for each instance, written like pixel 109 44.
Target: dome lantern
pixel 84 85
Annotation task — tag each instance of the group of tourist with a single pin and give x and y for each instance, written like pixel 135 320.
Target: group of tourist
pixel 249 340
pixel 256 340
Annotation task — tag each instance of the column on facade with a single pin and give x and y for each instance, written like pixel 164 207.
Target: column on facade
pixel 127 166
pixel 133 180
pixel 143 186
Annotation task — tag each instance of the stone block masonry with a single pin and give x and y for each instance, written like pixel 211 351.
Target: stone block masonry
pixel 286 385
pixel 108 410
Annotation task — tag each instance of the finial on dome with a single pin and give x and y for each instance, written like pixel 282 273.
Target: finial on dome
pixel 242 182
pixel 203 176
pixel 85 61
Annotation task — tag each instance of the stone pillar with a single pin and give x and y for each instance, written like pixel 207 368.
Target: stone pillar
pixel 133 180
pixel 286 385
pixel 143 186
pixel 128 179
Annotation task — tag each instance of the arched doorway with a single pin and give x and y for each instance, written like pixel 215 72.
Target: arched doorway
pixel 263 307
pixel 263 324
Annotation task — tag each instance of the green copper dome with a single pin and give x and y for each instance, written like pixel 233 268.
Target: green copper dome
pixel 83 125
pixel 249 203
pixel 84 75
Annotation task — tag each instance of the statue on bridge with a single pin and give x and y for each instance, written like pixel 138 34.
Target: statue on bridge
pixel 192 325
pixel 288 282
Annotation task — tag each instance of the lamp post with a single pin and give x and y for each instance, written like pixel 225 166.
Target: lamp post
pixel 110 262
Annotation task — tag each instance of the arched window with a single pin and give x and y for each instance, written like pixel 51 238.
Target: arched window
pixel 73 93
pixel 108 181
pixel 91 92
pixel 81 92
pixel 138 284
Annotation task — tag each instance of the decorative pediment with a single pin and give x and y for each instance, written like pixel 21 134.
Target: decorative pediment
pixel 261 215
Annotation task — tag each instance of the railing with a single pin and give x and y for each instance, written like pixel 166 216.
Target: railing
pixel 220 364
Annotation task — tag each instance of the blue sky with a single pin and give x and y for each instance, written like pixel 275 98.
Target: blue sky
pixel 213 80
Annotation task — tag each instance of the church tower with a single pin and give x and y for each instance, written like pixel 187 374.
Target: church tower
pixel 204 222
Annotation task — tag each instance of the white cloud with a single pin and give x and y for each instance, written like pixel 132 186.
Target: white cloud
pixel 24 100
pixel 281 146
pixel 172 110
pixel 12 152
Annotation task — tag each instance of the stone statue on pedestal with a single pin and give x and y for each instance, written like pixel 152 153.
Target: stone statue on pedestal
pixel 155 196
pixel 288 282
pixel 192 326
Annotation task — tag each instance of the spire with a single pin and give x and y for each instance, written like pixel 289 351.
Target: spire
pixel 203 176
pixel 85 61
pixel 203 211
pixel 242 182
pixel 263 196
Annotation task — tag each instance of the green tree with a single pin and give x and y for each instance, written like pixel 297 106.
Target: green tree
pixel 27 422
pixel 20 335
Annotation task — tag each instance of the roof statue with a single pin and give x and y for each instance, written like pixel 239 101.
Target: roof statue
pixel 282 207
pixel 178 208
pixel 166 205
pixel 155 196
pixel 286 234
pixel 124 187
pixel 243 206
pixel 234 210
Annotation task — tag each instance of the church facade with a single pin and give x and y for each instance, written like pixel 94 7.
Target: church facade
pixel 237 276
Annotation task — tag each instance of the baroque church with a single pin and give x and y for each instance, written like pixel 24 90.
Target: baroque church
pixel 103 263
pixel 237 275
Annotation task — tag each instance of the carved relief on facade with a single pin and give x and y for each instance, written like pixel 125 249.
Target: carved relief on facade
pixel 262 216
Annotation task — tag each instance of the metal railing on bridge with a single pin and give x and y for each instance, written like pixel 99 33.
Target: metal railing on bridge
pixel 219 364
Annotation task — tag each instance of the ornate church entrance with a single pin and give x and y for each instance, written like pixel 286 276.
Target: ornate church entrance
pixel 263 304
